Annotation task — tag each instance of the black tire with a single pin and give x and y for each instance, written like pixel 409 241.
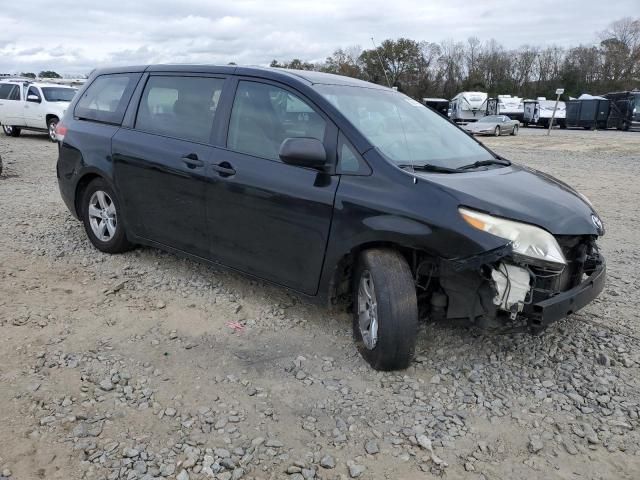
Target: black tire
pixel 496 132
pixel 625 126
pixel 51 128
pixel 118 242
pixel 515 130
pixel 396 309
pixel 10 131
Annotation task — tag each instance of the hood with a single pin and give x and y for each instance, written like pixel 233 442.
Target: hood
pixel 522 194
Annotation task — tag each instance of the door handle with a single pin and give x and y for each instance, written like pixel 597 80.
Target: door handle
pixel 224 169
pixel 192 161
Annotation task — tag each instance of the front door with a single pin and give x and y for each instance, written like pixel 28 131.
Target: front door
pixel 34 111
pixel 160 164
pixel 265 217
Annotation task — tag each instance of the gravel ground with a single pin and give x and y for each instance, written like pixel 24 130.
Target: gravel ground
pixel 145 365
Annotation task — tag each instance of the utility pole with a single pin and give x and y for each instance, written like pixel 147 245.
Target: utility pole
pixel 559 91
pixel 384 70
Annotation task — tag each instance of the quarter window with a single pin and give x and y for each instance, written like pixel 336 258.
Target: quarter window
pixel 263 116
pixel 106 99
pixel 349 161
pixel 182 107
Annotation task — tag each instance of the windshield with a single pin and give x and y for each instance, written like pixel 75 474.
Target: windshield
pixel 402 129
pixel 58 94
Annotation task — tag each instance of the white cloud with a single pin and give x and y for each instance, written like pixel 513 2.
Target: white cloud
pixel 75 36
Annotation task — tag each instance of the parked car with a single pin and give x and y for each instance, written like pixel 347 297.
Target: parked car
pixel 336 188
pixel 493 125
pixel 26 105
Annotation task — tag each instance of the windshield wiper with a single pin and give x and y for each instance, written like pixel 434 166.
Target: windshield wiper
pixel 484 163
pixel 426 167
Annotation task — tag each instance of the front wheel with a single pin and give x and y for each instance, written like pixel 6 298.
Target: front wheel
pixel 11 131
pixel 100 216
pixel 496 132
pixel 385 319
pixel 515 130
pixel 51 127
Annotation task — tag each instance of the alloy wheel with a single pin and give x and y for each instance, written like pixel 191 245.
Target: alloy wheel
pixel 367 311
pixel 52 131
pixel 102 216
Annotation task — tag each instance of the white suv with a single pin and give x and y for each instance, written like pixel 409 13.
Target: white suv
pixel 26 105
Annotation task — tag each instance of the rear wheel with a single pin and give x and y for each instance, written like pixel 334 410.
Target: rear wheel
pixel 515 130
pixel 51 127
pixel 496 132
pixel 100 216
pixel 11 131
pixel 385 319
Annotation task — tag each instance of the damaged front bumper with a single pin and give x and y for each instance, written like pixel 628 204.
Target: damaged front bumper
pixel 496 288
pixel 563 304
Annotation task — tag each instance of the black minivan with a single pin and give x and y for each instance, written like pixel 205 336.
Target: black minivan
pixel 336 188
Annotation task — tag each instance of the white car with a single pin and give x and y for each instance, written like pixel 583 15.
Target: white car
pixel 26 105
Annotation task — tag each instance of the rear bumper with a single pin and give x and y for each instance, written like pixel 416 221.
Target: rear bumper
pixel 548 311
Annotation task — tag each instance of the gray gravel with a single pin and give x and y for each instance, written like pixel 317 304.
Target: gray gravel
pixel 126 367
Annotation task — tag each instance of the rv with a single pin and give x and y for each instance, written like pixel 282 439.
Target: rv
pixel 624 109
pixel 468 106
pixel 540 111
pixel 507 105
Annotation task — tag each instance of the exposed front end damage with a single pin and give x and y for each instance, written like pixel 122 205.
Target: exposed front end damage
pixel 502 290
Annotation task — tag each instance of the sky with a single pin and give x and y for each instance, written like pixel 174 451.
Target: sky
pixel 74 37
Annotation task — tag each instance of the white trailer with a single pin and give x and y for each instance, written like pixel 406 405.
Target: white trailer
pixel 540 111
pixel 468 106
pixel 508 105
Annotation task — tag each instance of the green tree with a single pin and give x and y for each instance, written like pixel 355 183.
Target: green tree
pixel 344 62
pixel 49 74
pixel 394 60
pixel 28 74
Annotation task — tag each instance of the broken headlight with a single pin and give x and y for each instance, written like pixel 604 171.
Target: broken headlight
pixel 533 243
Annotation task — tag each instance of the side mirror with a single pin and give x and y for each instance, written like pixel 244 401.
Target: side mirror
pixel 303 152
pixel 33 98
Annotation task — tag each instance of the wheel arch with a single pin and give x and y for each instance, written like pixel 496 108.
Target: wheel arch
pixel 51 116
pixel 339 287
pixel 81 186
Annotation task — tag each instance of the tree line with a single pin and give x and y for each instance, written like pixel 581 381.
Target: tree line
pixel 42 74
pixel 425 69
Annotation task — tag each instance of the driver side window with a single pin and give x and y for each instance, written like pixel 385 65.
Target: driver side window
pixel 264 115
pixel 34 91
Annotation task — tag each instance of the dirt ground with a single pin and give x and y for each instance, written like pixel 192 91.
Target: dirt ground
pixel 145 365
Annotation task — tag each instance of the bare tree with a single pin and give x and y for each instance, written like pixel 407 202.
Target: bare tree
pixel 428 69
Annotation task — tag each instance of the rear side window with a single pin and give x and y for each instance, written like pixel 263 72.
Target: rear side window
pixel 106 98
pixel 5 89
pixel 263 116
pixel 181 107
pixel 9 92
